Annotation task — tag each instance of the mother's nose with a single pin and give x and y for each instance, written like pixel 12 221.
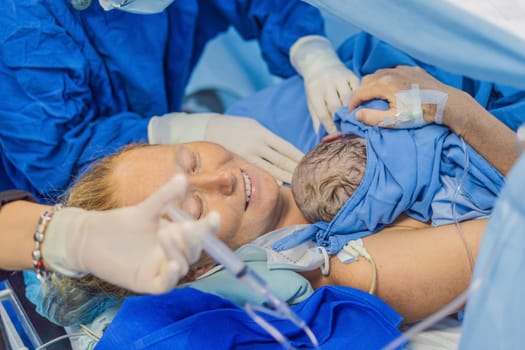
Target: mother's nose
pixel 222 181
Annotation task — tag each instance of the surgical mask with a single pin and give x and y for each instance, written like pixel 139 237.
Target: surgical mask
pixel 144 7
pixel 306 256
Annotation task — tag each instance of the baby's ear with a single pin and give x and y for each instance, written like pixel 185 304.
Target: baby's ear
pixel 332 137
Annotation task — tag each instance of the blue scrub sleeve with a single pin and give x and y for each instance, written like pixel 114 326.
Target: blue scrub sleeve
pixel 51 122
pixel 276 24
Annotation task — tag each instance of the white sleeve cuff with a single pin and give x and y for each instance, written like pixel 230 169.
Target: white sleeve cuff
pixel 311 54
pixel 177 128
pixel 56 249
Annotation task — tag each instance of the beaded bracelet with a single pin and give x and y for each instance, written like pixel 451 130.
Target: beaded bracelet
pixel 38 260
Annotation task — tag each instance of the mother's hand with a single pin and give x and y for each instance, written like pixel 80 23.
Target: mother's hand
pixel 385 83
pixel 462 113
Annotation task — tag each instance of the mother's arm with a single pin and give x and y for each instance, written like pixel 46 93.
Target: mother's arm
pixel 18 221
pixel 419 269
pixel 462 114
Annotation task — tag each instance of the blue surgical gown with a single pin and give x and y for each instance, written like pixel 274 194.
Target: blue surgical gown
pixel 78 85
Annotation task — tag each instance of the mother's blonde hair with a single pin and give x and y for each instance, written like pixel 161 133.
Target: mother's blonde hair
pixel 69 301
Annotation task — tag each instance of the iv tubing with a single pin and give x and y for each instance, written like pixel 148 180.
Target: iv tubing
pixel 459 300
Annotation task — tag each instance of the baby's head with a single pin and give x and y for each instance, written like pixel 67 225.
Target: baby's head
pixel 327 176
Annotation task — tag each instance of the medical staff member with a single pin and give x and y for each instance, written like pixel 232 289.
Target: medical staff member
pixel 80 83
pixel 134 247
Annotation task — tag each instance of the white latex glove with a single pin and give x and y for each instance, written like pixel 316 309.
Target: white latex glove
pixel 328 83
pixel 244 136
pixel 133 247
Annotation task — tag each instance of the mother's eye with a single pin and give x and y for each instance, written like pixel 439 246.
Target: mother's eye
pixel 193 205
pixel 195 163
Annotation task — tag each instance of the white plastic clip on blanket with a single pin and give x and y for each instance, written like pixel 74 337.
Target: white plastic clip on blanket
pixel 240 270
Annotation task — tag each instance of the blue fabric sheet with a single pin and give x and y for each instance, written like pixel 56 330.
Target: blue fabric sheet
pixel 77 85
pixel 442 33
pixel 494 313
pixel 341 318
pixel 403 175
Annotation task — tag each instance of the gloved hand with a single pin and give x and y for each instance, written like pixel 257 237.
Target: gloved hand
pixel 133 247
pixel 244 136
pixel 328 83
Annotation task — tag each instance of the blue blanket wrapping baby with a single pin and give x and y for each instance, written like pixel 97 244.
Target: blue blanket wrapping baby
pixel 411 171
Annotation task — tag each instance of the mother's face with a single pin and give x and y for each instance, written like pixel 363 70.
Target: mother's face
pixel 248 199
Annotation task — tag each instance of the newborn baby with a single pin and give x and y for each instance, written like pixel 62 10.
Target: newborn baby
pixel 328 175
pixel 352 187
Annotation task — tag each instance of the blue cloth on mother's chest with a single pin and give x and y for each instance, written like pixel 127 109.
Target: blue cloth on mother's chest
pixel 403 174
